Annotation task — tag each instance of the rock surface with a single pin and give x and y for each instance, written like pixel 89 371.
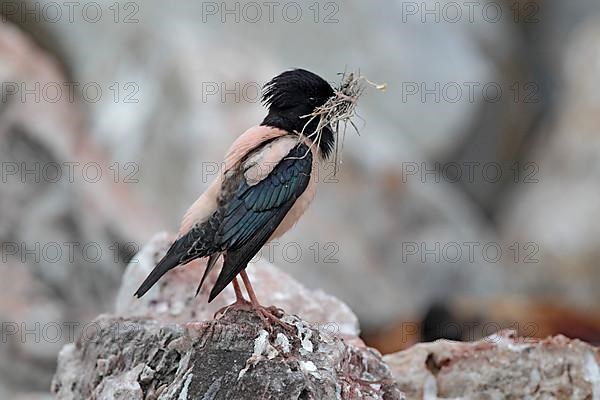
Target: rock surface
pixel 501 366
pixel 150 349
pixel 232 357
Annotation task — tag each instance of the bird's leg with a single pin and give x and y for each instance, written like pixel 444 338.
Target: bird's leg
pixel 249 289
pixel 240 301
pixel 239 297
pixel 266 314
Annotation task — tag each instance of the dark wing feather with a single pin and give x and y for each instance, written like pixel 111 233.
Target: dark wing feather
pixel 246 218
pixel 194 244
pixel 255 212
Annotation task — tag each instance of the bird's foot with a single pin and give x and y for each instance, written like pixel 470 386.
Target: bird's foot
pixel 271 316
pixel 239 304
pixel 268 315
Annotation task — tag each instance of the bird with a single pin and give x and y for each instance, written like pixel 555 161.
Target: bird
pixel 267 182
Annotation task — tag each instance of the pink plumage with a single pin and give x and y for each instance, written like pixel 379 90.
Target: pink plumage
pixel 267 182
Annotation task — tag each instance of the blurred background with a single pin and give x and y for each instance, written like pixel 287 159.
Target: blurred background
pixel 469 202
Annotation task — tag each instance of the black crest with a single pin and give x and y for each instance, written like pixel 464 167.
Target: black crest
pixel 290 97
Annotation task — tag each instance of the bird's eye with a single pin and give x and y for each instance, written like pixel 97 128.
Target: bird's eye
pixel 312 100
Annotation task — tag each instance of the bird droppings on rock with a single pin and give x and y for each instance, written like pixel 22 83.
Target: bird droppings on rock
pixel 262 350
pixel 309 367
pixel 282 342
pixel 304 333
pixel 206 360
pixel 183 395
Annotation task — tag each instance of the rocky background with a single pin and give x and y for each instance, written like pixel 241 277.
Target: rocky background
pixel 468 203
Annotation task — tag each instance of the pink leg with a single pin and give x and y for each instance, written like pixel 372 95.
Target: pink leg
pixel 250 289
pixel 239 297
pixel 266 314
pixel 240 301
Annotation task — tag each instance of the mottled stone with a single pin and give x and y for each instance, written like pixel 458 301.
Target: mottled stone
pixel 232 357
pixel 501 366
pixel 168 345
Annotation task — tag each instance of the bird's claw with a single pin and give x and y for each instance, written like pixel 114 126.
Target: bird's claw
pixel 239 304
pixel 269 316
pixel 272 315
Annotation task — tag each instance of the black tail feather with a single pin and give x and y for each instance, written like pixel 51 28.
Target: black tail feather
pixel 212 260
pixel 168 262
pixel 182 251
pixel 235 261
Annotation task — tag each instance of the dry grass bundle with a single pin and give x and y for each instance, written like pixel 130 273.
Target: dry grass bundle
pixel 339 111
